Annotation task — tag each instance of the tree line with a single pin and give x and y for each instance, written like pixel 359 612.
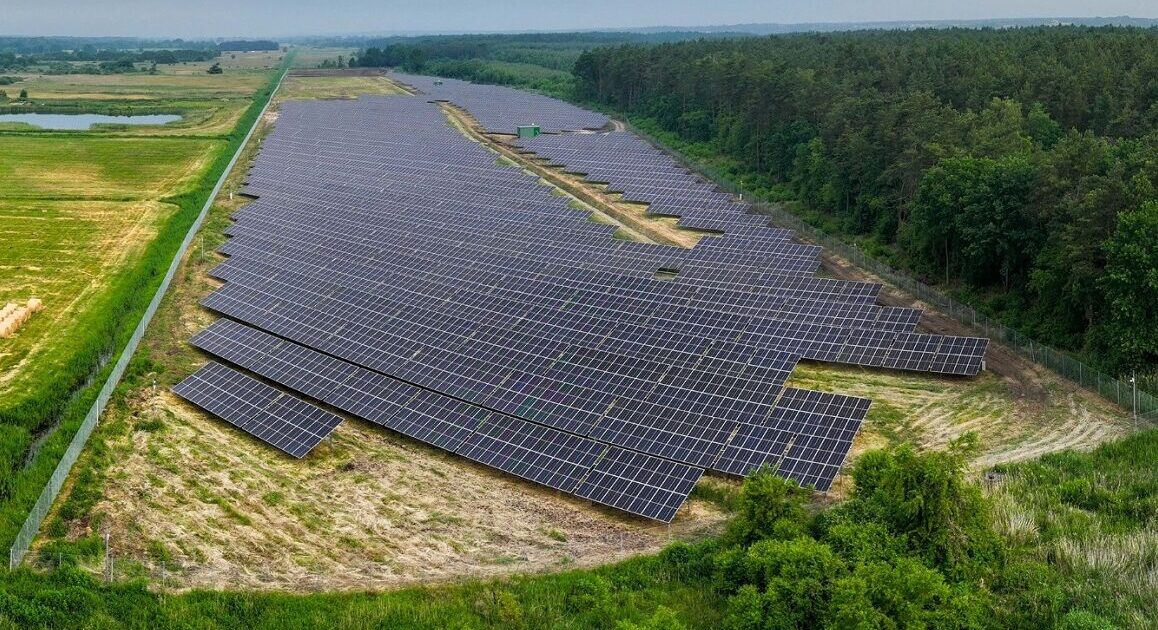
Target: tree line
pixel 536 61
pixel 102 61
pixel 1016 167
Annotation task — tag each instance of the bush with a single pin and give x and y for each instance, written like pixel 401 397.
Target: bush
pixel 923 498
pixel 770 506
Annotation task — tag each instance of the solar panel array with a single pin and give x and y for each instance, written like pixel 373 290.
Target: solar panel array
pixel 502 109
pixel 644 174
pixel 392 269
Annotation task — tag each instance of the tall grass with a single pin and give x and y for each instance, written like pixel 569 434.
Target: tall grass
pixel 631 591
pixel 1092 519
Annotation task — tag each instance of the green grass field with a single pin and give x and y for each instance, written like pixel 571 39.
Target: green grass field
pixel 76 210
pixel 89 221
pixel 91 168
pixel 299 88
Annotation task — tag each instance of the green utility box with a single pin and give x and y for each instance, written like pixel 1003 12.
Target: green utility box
pixel 529 131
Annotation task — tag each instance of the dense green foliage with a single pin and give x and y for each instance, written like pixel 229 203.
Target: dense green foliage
pixel 537 61
pixel 914 546
pixel 64 398
pixel 1000 162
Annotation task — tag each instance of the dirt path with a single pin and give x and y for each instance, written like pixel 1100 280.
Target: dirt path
pixel 631 217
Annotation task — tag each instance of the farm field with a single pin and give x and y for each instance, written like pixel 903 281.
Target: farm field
pixel 86 217
pixel 373 510
pixel 313 57
pixel 326 87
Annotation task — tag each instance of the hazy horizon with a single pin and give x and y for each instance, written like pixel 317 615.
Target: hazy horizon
pixel 297 18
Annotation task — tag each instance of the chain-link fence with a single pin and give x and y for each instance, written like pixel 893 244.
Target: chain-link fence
pixel 1121 391
pixel 47 496
pixel 109 567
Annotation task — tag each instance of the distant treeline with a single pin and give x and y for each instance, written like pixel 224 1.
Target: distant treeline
pixel 43 45
pixel 557 51
pixel 103 61
pixel 144 56
pixel 1019 166
pixel 241 45
pixel 541 61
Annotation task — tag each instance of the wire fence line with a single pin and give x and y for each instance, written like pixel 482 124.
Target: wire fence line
pixel 111 568
pixel 162 575
pixel 1121 391
pixel 39 511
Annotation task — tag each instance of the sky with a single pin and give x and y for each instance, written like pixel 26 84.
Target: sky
pixel 272 18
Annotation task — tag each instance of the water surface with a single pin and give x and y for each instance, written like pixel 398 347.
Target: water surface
pixel 75 122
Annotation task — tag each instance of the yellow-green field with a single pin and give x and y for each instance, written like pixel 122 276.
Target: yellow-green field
pixel 301 88
pixel 83 167
pixel 313 57
pixel 74 209
pixel 76 206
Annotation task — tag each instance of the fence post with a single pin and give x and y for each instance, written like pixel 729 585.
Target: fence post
pixel 108 561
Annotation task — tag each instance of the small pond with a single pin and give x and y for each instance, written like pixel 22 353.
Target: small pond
pixel 85 121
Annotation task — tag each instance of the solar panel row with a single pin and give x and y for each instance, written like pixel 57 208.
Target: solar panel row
pixel 503 109
pixel 538 453
pixel 264 412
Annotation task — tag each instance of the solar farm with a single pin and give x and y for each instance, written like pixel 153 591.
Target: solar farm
pixel 727 327
pixel 391 270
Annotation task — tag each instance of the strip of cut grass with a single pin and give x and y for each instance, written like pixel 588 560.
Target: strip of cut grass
pixel 84 167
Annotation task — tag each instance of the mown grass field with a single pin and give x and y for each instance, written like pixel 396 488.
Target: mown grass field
pixel 89 221
pixel 303 88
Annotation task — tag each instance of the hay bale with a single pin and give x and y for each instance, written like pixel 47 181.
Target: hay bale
pixel 13 317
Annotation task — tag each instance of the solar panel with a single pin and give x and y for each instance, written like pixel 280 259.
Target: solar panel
pixel 806 437
pixel 534 452
pixel 963 356
pixel 640 484
pixel 282 421
pixel 538 453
